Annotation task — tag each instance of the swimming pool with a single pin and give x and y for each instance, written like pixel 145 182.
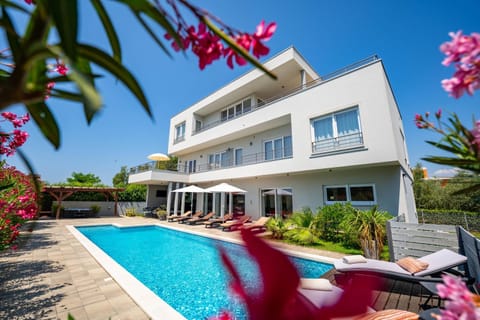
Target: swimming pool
pixel 183 269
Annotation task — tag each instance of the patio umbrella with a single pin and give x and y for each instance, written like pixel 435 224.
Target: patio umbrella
pixel 278 192
pixel 223 188
pixel 192 189
pixel 158 157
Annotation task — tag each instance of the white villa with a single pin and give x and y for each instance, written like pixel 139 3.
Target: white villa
pixel 304 140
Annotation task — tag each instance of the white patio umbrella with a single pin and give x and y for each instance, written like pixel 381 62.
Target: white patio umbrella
pixel 226 188
pixel 278 192
pixel 158 157
pixel 192 189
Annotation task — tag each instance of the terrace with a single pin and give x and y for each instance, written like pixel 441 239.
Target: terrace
pixel 52 274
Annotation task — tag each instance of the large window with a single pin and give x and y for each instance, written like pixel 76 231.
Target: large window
pixel 278 148
pixel 221 159
pixel 277 202
pixel 237 109
pixel 180 132
pixel 356 194
pixel 339 130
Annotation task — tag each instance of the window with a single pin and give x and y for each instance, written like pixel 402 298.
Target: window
pixel 180 132
pixel 221 160
pixel 236 110
pixel 356 194
pixel 278 148
pixel 198 125
pixel 339 130
pixel 238 157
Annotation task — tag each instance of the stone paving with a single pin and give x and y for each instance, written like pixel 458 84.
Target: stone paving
pixel 52 275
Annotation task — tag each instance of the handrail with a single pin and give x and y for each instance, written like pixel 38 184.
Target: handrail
pixel 308 85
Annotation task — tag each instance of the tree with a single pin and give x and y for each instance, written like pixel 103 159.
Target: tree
pixel 120 180
pixel 84 179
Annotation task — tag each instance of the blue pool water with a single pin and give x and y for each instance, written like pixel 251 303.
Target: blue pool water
pixel 184 269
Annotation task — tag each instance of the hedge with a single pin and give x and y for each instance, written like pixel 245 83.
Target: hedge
pixel 468 220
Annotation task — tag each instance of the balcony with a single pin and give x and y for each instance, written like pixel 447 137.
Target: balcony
pixel 283 95
pixel 337 144
pixel 246 160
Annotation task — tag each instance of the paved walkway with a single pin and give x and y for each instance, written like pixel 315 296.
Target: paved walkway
pixel 51 275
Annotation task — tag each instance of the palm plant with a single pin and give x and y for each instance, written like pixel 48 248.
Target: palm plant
pixel 303 228
pixel 277 227
pixel 369 227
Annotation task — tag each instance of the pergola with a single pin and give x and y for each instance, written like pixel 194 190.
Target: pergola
pixel 60 193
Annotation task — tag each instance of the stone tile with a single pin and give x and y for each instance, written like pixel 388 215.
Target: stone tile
pixel 99 310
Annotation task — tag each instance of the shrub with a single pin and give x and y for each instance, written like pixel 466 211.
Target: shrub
pixel 277 227
pixel 18 203
pixel 329 219
pixel 368 229
pixel 131 212
pixel 95 209
pixel 468 220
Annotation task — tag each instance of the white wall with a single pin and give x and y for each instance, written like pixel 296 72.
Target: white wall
pixel 106 207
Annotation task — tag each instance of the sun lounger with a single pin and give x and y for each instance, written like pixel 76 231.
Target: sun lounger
pixel 217 221
pixel 322 294
pixel 195 215
pixel 438 262
pixel 234 224
pixel 259 225
pixel 174 217
pixel 198 219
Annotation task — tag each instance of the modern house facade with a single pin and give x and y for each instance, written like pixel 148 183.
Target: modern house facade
pixel 303 140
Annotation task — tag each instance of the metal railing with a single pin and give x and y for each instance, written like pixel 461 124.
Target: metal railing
pixel 308 85
pixel 246 160
pixel 338 143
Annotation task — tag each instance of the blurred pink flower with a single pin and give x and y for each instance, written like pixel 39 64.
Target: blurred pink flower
pixel 460 303
pixel 278 297
pixel 464 51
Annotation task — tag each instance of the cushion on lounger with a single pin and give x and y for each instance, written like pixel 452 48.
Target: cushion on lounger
pixel 412 265
pixel 390 314
pixel 315 284
pixel 354 259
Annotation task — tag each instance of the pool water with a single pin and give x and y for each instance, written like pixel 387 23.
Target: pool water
pixel 185 270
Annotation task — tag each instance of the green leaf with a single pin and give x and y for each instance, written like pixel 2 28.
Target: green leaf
pixel 10 4
pixel 35 178
pixel 147 8
pixel 109 29
pixel 65 18
pixel 92 100
pixel 46 122
pixel 103 60
pixel 152 34
pixel 37 29
pixel 12 35
pixel 237 48
pixel 67 95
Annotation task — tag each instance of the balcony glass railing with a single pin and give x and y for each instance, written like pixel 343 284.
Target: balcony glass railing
pixel 225 164
pixel 338 143
pixel 268 101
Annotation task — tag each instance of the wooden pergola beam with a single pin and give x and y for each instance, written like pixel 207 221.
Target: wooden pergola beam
pixel 60 193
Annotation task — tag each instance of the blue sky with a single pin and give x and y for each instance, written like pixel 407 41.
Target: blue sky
pixel 329 34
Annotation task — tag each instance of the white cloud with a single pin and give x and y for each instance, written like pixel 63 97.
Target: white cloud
pixel 445 172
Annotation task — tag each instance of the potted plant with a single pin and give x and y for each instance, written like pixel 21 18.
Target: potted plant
pixel 161 213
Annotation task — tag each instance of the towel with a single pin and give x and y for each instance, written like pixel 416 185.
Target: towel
pixel 315 284
pixel 354 259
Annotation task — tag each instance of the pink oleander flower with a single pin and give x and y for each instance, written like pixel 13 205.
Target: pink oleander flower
pixel 278 297
pixel 10 141
pixel 476 133
pixel 464 52
pixel 208 47
pixel 460 304
pixel 263 34
pixel 61 68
